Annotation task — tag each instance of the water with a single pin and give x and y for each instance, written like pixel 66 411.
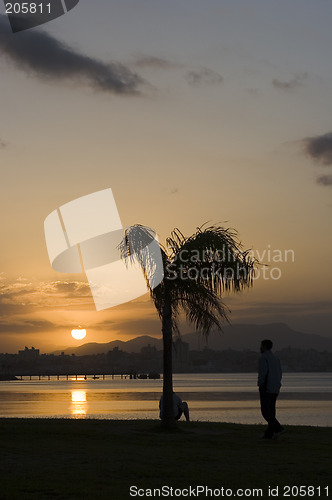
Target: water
pixel 305 399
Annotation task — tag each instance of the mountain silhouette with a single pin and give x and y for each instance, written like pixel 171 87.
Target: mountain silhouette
pixel 239 337
pixel 247 336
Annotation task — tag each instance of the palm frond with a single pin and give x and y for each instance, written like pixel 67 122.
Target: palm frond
pixel 175 241
pixel 215 255
pixel 201 306
pixel 197 271
pixel 139 245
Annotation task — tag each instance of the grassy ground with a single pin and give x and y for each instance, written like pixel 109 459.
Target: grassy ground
pixel 101 459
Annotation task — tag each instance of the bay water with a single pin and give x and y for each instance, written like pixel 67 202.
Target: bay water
pixel 305 398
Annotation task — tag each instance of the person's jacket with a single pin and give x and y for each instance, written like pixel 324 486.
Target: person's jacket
pixel 269 372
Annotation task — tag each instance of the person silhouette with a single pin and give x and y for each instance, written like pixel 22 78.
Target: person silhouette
pixel 269 383
pixel 180 407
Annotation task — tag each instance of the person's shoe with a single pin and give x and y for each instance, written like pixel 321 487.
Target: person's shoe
pixel 280 431
pixel 268 436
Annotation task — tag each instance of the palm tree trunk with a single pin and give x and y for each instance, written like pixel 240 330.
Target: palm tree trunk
pixel 168 419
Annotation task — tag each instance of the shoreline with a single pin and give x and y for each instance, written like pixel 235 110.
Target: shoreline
pixel 226 395
pixel 156 421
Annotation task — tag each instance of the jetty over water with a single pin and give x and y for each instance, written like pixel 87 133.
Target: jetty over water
pixel 84 376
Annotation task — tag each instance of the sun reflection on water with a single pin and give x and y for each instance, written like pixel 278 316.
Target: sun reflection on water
pixel 78 403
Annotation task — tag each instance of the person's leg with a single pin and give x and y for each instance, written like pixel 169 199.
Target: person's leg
pixel 268 404
pixel 264 405
pixel 180 411
pixel 185 409
pixel 267 412
pixel 275 424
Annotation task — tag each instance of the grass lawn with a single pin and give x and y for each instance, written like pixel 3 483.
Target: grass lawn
pixel 101 459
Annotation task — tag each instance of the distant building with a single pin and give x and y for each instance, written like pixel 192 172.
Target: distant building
pixel 149 351
pixel 181 350
pixel 180 355
pixel 29 354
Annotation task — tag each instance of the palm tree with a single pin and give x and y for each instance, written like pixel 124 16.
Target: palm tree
pixel 197 270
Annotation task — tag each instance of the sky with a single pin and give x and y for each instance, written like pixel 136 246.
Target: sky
pixel 192 112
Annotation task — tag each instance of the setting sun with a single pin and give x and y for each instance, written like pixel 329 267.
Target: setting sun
pixel 78 333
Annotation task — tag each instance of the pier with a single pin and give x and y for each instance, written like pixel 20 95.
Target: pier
pixel 87 376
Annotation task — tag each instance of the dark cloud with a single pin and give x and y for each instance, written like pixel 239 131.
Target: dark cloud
pixel 38 53
pixel 275 308
pixel 295 82
pixel 22 301
pixel 29 326
pixel 143 326
pixel 203 77
pixel 155 62
pixel 23 297
pixel 319 148
pixel 7 310
pixel 72 288
pixel 325 180
pixel 254 92
pixel 12 299
pixel 105 325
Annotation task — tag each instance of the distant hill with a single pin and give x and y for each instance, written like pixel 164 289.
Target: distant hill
pixel 238 337
pixel 133 345
pixel 243 336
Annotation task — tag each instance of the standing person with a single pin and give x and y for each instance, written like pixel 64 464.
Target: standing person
pixel 269 383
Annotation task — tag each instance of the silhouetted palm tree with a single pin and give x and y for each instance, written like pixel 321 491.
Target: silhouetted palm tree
pixel 197 270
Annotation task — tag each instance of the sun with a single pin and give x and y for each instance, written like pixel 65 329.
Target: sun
pixel 78 333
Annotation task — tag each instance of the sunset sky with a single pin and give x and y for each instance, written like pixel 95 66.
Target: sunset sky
pixel 191 111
